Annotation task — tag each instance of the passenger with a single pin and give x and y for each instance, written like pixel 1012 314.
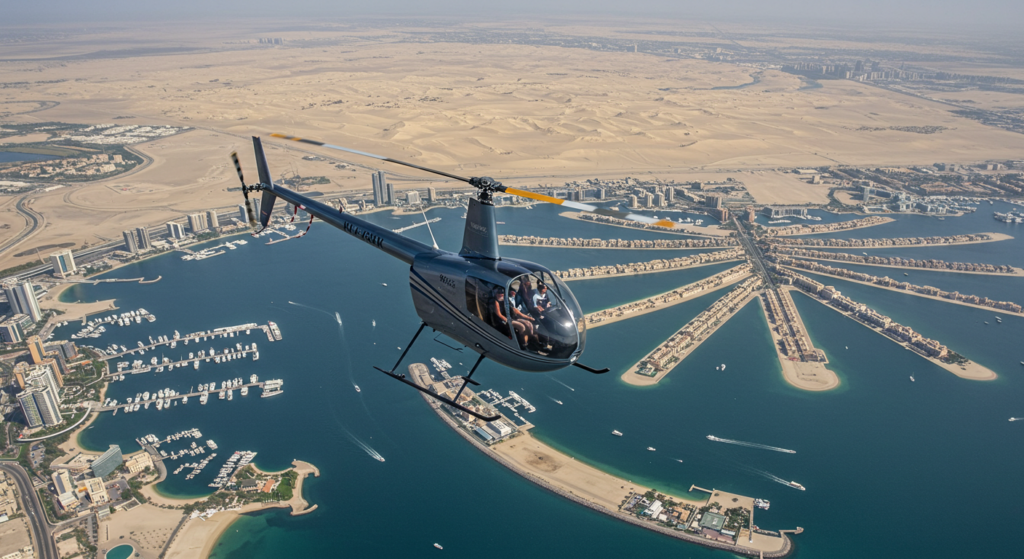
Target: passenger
pixel 498 318
pixel 521 318
pixel 541 301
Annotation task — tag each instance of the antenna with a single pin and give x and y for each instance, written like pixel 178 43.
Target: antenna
pixel 427 221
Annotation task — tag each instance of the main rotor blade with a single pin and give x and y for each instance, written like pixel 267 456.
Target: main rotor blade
pixel 363 153
pixel 238 169
pixel 667 223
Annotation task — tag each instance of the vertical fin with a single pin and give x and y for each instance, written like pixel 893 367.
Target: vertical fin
pixel 267 203
pixel 480 239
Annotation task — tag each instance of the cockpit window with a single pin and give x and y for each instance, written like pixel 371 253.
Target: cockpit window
pixel 541 320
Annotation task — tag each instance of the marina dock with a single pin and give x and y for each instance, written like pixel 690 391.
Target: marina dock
pixel 226 332
pixel 215 391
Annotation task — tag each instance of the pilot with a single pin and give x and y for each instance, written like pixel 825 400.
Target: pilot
pixel 541 301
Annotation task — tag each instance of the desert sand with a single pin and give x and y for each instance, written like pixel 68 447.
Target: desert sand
pixel 528 115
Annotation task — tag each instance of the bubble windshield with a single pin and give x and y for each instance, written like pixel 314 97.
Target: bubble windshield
pixel 542 322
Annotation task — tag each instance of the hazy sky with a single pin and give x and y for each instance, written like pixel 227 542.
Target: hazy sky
pixel 886 13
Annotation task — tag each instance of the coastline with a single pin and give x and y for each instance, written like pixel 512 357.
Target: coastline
pixel 661 305
pixel 652 271
pixel 906 291
pixel 796 232
pixel 996 237
pixel 970 371
pixel 1016 271
pixel 630 376
pixel 527 443
pixel 810 376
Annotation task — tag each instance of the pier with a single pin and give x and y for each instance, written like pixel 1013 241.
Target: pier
pixel 196 337
pixel 415 225
pixel 214 391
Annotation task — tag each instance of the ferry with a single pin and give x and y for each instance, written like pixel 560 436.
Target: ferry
pixel 617 433
pixel 796 485
pixel 650 448
pixel 275 331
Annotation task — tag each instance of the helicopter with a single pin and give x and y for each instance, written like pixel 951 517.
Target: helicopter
pixel 514 312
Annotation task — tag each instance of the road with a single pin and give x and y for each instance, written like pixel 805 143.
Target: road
pixel 31 217
pixel 41 538
pixel 755 253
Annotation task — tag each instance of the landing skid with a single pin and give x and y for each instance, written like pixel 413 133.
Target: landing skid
pixel 590 369
pixel 466 381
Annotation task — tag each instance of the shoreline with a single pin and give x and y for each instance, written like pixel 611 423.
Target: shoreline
pixel 796 373
pixel 709 249
pixel 996 237
pixel 528 440
pixel 632 378
pixel 906 291
pixel 690 267
pixel 974 370
pixel 862 226
pixel 1016 271
pixel 661 305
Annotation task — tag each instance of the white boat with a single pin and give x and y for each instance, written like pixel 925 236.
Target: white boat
pixel 617 433
pixel 911 378
pixel 796 485
pixel 357 388
pixel 384 284
pixel 437 545
pixel 651 448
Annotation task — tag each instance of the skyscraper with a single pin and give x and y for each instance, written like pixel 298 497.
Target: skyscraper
pixel 390 193
pixel 10 331
pixel 211 219
pixel 107 462
pixel 22 298
pixel 142 237
pixel 63 263
pixel 431 195
pixel 175 230
pixel 241 214
pixel 256 208
pixel 35 349
pixel 130 244
pixel 713 202
pixel 413 198
pixel 40 406
pixel 197 223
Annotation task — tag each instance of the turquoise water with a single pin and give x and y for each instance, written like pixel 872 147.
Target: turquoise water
pixel 887 463
pixel 120 552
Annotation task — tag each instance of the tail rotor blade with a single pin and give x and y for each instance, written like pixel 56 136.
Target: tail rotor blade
pixel 364 154
pixel 245 191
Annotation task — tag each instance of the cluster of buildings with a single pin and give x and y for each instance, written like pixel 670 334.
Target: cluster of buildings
pixel 617 243
pixel 8 498
pixel 93 166
pixel 674 295
pixel 828 227
pixel 39 381
pixel 665 356
pixel 889 327
pixel 889 242
pixel 652 266
pixel 892 261
pixel 784 320
pixel 199 223
pixel 889 282
pixel 79 482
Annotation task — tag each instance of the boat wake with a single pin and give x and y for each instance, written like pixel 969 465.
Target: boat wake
pixel 769 476
pixel 1017 419
pixel 563 384
pixel 365 447
pixel 751 445
pixel 335 316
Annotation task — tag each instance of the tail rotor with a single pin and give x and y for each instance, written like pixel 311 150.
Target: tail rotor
pixel 245 190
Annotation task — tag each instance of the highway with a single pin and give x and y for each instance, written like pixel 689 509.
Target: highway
pixel 755 253
pixel 32 219
pixel 40 527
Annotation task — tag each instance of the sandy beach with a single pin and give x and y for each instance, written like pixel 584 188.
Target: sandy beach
pixel 631 377
pixel 969 371
pixel 659 305
pixel 700 265
pixel 908 292
pixel 814 377
pixel 1016 271
pixel 995 237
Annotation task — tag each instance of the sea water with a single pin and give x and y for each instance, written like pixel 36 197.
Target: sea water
pixel 889 465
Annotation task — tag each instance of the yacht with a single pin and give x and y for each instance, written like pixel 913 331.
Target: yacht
pixel 796 485
pixel 650 448
pixel 911 378
pixel 437 545
pixel 617 433
pixel 360 390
